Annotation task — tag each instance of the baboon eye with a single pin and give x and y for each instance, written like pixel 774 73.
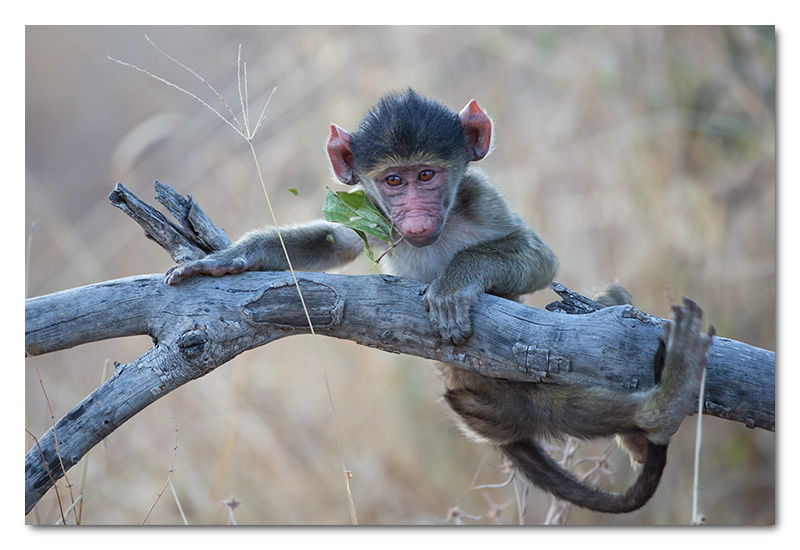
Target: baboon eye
pixel 393 180
pixel 426 175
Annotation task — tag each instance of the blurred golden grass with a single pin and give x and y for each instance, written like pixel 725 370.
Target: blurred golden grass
pixel 645 154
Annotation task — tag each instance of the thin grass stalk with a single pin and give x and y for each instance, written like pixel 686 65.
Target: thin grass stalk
pixel 697 518
pixel 347 474
pixel 169 477
pixel 248 136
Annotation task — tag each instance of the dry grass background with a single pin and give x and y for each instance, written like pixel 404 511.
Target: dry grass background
pixel 645 154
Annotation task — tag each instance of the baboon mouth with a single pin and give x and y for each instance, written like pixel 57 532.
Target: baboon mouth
pixel 421 240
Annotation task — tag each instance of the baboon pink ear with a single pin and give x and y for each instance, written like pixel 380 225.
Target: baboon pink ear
pixel 477 129
pixel 340 153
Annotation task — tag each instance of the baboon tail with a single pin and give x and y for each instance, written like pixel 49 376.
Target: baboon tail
pixel 537 466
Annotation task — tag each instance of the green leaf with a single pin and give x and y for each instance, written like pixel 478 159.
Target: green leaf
pixel 293 191
pixel 354 210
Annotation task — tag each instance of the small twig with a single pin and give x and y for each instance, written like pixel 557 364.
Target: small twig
pixel 486 452
pixel 558 513
pixel 49 474
pixel 505 483
pixel 456 514
pixel 55 435
pixel 507 466
pixel 521 490
pixel 85 460
pixel 495 510
pixel 601 463
pixel 520 485
pixel 169 477
pixel 232 504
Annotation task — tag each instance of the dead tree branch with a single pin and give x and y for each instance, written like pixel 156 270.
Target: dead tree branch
pixel 205 322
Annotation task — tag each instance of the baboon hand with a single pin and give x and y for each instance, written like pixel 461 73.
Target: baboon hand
pixel 449 311
pixel 686 356
pixel 216 267
pixel 686 345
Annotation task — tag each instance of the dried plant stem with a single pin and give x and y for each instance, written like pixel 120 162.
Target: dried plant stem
pixel 78 501
pixel 201 79
pixel 178 502
pixel 169 477
pixel 85 461
pixel 241 74
pixel 697 516
pixel 55 439
pixel 232 504
pixel 81 487
pixel 263 115
pixel 347 474
pixel 49 474
pixel 190 94
pixel 249 135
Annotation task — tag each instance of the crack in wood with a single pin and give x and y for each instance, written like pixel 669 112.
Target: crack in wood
pixel 541 362
pixel 279 306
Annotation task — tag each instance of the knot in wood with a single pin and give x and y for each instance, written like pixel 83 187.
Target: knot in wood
pixel 192 343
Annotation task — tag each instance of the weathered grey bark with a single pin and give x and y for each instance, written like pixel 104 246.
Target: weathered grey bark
pixel 204 322
pixel 194 238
